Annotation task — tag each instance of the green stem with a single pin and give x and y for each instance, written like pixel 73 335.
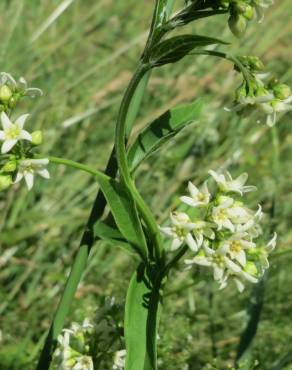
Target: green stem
pixel 86 243
pixel 77 165
pixel 121 155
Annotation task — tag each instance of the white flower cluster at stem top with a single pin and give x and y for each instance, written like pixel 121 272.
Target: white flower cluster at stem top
pixel 221 231
pixel 16 159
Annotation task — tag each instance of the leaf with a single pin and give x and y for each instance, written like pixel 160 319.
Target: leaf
pixel 177 47
pixel 112 236
pixel 191 14
pixel 161 131
pixel 141 321
pixel 124 212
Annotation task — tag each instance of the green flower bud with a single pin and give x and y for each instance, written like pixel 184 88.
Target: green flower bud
pixel 237 25
pixel 12 102
pixel 5 93
pixel 239 7
pixel 5 182
pixel 224 4
pixel 251 268
pixel 37 137
pixel 9 166
pixel 281 91
pixel 249 12
pixel 256 64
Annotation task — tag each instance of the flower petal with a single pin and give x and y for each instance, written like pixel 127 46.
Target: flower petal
pixel 176 243
pixel 19 177
pixel 21 120
pixel 6 123
pixel 193 189
pixel 25 135
pixel 189 201
pixel 44 173
pixel 8 145
pixel 191 242
pixel 29 180
pixel 2 135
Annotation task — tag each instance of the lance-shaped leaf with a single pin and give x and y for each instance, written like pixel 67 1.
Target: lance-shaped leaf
pixel 141 321
pixel 161 131
pixel 103 231
pixel 177 47
pixel 124 212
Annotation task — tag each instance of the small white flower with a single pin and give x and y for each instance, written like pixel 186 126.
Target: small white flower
pixel 221 215
pixel 210 258
pixel 227 184
pixel 260 6
pixel 119 360
pixel 277 106
pixel 12 132
pixel 83 363
pixel 180 231
pixel 203 229
pixel 265 251
pixel 198 197
pixel 29 167
pixel 235 247
pixel 21 85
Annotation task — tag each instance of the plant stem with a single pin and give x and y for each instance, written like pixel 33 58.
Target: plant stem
pixel 77 165
pixel 121 154
pixel 86 243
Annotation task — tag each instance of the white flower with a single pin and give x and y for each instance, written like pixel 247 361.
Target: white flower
pixel 29 167
pixel 227 184
pixel 221 215
pixel 83 363
pixel 239 214
pixel 21 85
pixel 210 258
pixel 203 229
pixel 180 231
pixel 276 106
pixel 198 197
pixel 235 247
pixel 265 251
pixel 119 360
pixel 12 132
pixel 260 6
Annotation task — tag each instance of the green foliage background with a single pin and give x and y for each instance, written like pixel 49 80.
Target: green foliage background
pixel 82 60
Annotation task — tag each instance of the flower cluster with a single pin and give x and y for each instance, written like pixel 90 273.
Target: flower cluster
pixel 119 360
pixel 221 231
pixel 73 351
pixel 17 159
pixel 258 93
pixel 243 11
pixel 85 346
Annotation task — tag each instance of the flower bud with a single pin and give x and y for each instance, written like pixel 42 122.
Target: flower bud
pixel 251 268
pixel 37 137
pixel 239 7
pixel 224 4
pixel 9 166
pixel 5 93
pixel 256 64
pixel 237 25
pixel 12 102
pixel 5 182
pixel 281 91
pixel 249 12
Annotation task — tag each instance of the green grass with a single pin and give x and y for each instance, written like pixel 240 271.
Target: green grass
pixel 82 61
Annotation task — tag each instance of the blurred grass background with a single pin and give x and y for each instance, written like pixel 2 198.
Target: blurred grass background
pixel 81 54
